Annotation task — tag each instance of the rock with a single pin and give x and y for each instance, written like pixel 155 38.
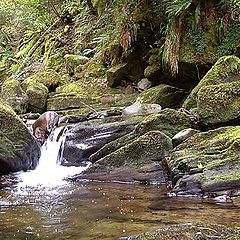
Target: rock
pixel 50 78
pixel 72 61
pixel 140 160
pixel 219 104
pixel 207 162
pixel 82 140
pixel 152 72
pixel 189 231
pixel 141 109
pixel 144 84
pixel 13 95
pixel 37 94
pixel 168 121
pixel 68 101
pixel 183 135
pixel 225 70
pixel 113 146
pixel 164 95
pixel 116 74
pixel 18 148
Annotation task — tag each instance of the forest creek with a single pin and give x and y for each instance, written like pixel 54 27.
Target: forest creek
pixel 120 119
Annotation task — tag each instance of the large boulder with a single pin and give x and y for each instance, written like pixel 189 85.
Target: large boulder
pixel 218 104
pixel 13 95
pixel 225 70
pixel 84 139
pixel 164 95
pixel 50 78
pixel 37 94
pixel 207 162
pixel 141 160
pixel 116 74
pixel 168 121
pixel 18 148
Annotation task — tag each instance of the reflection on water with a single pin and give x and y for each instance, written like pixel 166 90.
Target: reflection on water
pixel 101 211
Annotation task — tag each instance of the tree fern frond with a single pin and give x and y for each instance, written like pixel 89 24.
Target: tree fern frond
pixel 176 7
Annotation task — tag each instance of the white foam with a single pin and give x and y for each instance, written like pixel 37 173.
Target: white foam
pixel 48 172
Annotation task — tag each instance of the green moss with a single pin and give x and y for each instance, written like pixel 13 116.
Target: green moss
pixel 73 61
pixel 37 94
pixel 168 121
pixel 226 69
pixel 217 152
pixel 14 95
pixel 164 95
pixel 152 146
pixel 219 103
pixel 152 70
pixel 50 78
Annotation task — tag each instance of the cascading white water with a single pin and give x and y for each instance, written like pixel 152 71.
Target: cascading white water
pixel 48 172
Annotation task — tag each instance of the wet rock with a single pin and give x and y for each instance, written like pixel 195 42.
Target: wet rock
pixel 18 148
pixel 141 109
pixel 207 162
pixel 37 94
pixel 219 104
pixel 113 146
pixel 188 232
pixel 183 135
pixel 82 140
pixel 225 70
pixel 168 121
pixel 164 95
pixel 140 160
pixel 13 94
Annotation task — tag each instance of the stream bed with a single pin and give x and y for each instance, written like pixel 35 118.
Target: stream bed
pixel 90 210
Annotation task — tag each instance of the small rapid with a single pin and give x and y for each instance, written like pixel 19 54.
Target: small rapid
pixel 49 173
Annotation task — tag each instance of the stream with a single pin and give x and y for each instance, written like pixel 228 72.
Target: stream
pixel 42 204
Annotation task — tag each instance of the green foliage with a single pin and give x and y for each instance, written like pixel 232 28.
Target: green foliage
pixel 198 40
pixel 230 40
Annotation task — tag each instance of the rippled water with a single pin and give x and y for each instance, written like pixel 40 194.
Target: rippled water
pixel 101 211
pixel 41 205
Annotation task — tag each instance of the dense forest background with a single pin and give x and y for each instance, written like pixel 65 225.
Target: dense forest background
pixel 159 35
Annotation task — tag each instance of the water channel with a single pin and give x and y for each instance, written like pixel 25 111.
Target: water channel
pixel 41 204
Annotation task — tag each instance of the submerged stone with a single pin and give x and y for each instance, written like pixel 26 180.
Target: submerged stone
pixel 189 231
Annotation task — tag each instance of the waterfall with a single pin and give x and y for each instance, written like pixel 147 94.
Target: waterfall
pixel 49 173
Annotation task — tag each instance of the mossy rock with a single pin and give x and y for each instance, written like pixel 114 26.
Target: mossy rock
pixel 116 74
pixel 208 162
pixel 139 160
pixel 73 61
pixel 68 101
pixel 218 104
pixel 168 121
pixel 37 94
pixel 225 70
pixel 190 231
pixel 152 72
pixel 13 94
pixel 50 78
pixel 164 95
pixel 18 148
